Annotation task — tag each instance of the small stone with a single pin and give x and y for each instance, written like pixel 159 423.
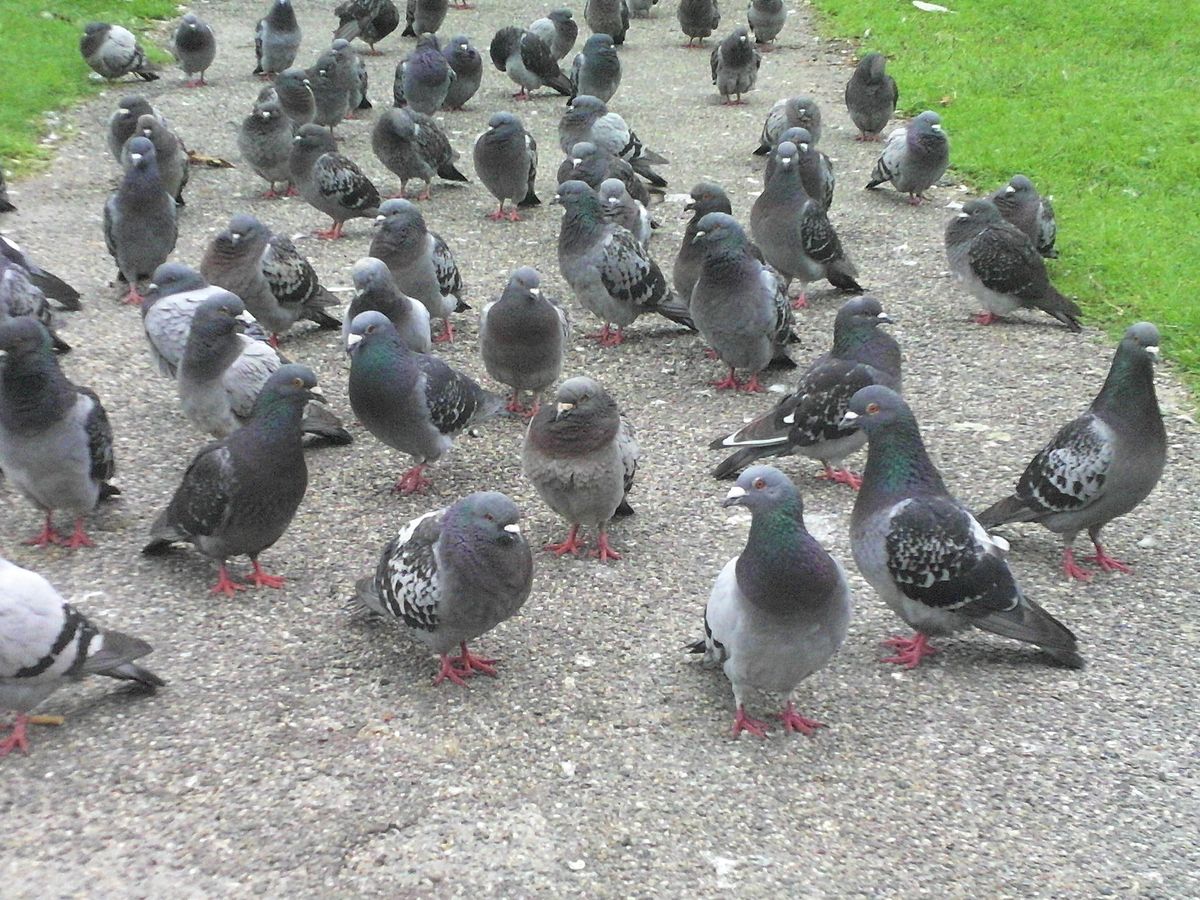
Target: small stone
pixel 576 865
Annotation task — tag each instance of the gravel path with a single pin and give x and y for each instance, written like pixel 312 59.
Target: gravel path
pixel 296 752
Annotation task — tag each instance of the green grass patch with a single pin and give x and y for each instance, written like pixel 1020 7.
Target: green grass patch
pixel 48 73
pixel 1097 103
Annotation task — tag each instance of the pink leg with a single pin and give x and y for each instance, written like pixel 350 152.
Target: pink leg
pixel 571 545
pixel 915 199
pixel 330 234
pixel 711 353
pixel 742 722
pixel 728 383
pixel 448 671
pixel 753 386
pixel 499 215
pixel 1072 569
pixel 522 94
pixel 273 340
pixel 46 536
pixel 426 194
pixel 226 585
pixel 412 481
pixel 292 191
pixel 793 721
pixel 512 215
pixel 607 337
pixel 259 578
pixel 985 318
pixel 842 476
pixel 17 738
pixel 78 537
pixel 604 551
pixel 133 298
pixel 910 651
pixel 1108 563
pixel 800 301
pixel 447 335
pixel 270 194
pixel 469 662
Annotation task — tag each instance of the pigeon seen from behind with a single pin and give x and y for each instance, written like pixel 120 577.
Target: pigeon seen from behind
pixel 1021 205
pixel 113 52
pixel 766 18
pixel 871 96
pixel 735 63
pixel 528 61
pixel 697 20
pixel 505 159
pixel 467 64
pixel 412 145
pixel 609 17
pixel 276 39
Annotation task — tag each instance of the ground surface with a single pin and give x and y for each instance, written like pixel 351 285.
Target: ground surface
pixel 296 752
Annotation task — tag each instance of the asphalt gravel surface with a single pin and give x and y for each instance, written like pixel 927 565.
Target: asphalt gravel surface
pixel 299 752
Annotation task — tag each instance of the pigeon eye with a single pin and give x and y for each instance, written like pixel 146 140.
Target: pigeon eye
pixel 298 382
pixel 489 517
pixel 370 329
pixel 759 484
pixel 872 408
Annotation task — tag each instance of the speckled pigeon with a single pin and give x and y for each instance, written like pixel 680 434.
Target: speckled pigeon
pixel 20 297
pixel 789 112
pixel 276 39
pixel 622 209
pixel 423 16
pixel 139 219
pixel 195 48
pixel 413 145
pixel 1021 205
pixel 331 182
pixel 506 162
pixel 48 283
pixel 816 170
pixel 735 63
pixel 369 20
pixel 596 69
pixel 588 119
pixel 113 52
pixel 914 158
pixel 871 96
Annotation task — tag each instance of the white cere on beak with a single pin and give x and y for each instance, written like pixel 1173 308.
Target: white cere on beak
pixel 535 292
pixel 1010 190
pixel 135 157
pixel 514 528
pixel 850 416
pixel 1153 351
pixel 352 339
pixel 735 492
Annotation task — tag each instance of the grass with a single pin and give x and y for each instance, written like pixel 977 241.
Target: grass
pixel 1097 104
pixel 48 73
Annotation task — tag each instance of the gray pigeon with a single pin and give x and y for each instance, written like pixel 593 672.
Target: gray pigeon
pixel 276 39
pixel 640 9
pixel 169 153
pixel 56 446
pixel 195 48
pixel 330 90
pixel 922 550
pixel 506 162
pixel 612 275
pixel 420 262
pixel 139 219
pixel 609 17
pixel 622 209
pixel 277 284
pixel 6 204
pixel 240 494
pixel 48 283
pixel 871 96
pixel 212 346
pixel 123 123
pixel 587 119
pixel 265 142
pixel 424 76
pixel 778 611
pixel 424 17
pixel 522 338
pixel 113 52
pixel 766 18
pixel 734 65
pixel 413 402
pixel 375 289
pixel 369 20
pixel 698 19
pixel 294 91
pixel 351 73
pixel 789 112
pixel 914 158
pixel 452 575
pixel 739 304
pixel 329 181
pixel 1000 267
pixel 706 197
pixel 558 30
pixel 794 232
pixel 528 61
pixel 468 71
pixel 816 171
pixel 20 297
pixel 596 69
pixel 413 145
pixel 808 422
pixel 45 642
pixel 581 455
pixel 593 166
pixel 1021 204
pixel 1101 465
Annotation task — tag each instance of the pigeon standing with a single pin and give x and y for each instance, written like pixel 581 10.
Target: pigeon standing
pixel 56 446
pixel 809 421
pixel 1000 267
pixel 425 76
pixel 48 283
pixel 522 338
pixel 276 39
pixel 506 162
pixel 588 119
pixel 1021 204
pixel 778 611
pixel 375 290
pixel 582 456
pixel 734 63
pixel 240 494
pixel 123 123
pixel 212 347
pixel 468 71
pixel 423 17
pixel 706 197
pixel 20 297
pixel 413 145
pixel 329 181
pixel 331 97
pixel 871 96
pixel 369 20
pixel 44 642
pixel 113 52
pixel 816 170
pixel 294 90
pixel 195 48
pixel 789 112
pixel 558 30
pixel 914 158
pixel 1101 465
pixel 766 18
pixel 609 17
pixel 413 402
pixel 593 166
pixel 640 9
pixel 922 550
pixel 698 19
pixel 527 60
pixel 351 73
pixel 139 219
pixel 452 575
pixel 621 208
pixel 169 154
pixel 265 142
pixel 596 69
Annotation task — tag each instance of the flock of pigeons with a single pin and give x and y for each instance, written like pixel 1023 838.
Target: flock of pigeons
pixel 779 610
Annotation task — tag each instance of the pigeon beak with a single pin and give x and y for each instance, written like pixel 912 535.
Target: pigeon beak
pixel 937 128
pixel 563 409
pixel 963 215
pixel 135 157
pixel 535 292
pixel 296 139
pixel 265 114
pixel 1010 190
pixel 307 83
pixel 849 419
pixel 742 38
pixel 699 234
pixel 884 317
pixel 123 111
pixel 804 148
pixel 690 207
pixel 735 497
pixel 513 528
pixel 151 288
pixel 316 396
pixel 576 161
pixel 1153 351
pixel 234 237
pixel 352 341
pixel 785 161
pixel 3 354
pixel 379 219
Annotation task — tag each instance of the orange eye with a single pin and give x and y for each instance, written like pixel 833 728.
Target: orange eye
pixel 872 408
pixel 759 484
pixel 297 382
pixel 370 329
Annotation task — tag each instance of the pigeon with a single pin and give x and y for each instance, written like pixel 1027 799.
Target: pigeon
pixel 1021 204
pixel 452 575
pixel 20 297
pixel 640 9
pixel 276 39
pixel 240 494
pixel 468 71
pixel 794 233
pixel 412 145
pixel 698 19
pixel 420 262
pixel 413 402
pixel 593 166
pixel 375 289
pixel 123 123
pixel 734 65
pixel 265 142
pixel 169 153
pixel 527 60
pixel 1099 466
pixel 922 550
pixel 56 446
pixel 581 455
pixel 558 30
pixel 423 17
pixel 277 284
pixel 596 69
pixel 816 170
pixel 195 48
pixel 329 181
pixel 739 304
pixel 48 283
pixel 619 207
pixel 1000 267
pixel 350 72
pixel 330 90
pixel 871 96
pixel 766 18
pixel 789 112
pixel 369 20
pixel 113 52
pixel 506 162
pixel 213 346
pixel 706 197
pixel 44 642
pixel 424 76
pixel 610 272
pixel 139 219
pixel 587 119
pixel 294 91
pixel 609 17
pixel 6 204
pixel 914 158
pixel 778 611
pixel 808 421
pixel 522 338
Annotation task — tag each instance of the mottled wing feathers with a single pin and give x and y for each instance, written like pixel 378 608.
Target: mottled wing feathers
pixel 628 273
pixel 406 579
pixel 1006 262
pixel 202 504
pixel 100 438
pixel 454 400
pixel 1069 472
pixel 340 179
pixel 821 400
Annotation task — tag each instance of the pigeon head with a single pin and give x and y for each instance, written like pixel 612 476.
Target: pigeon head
pixel 741 33
pixel 485 517
pixel 289 386
pixel 282 15
pixel 131 108
pixel 141 153
pixel 244 231
pixel 21 338
pixel 785 154
pixel 872 66
pixel 174 278
pixel 803 110
pixel 761 488
pixel 801 137
pixel 1142 336
pixel 585 107
pixel 528 279
pixel 1020 187
pixel 218 315
pixel 148 125
pixel 576 195
pixel 291 79
pixel 504 123
pixel 460 48
pixel 314 139
pixel 707 196
pixel 612 192
pixel 861 312
pixel 269 111
pixel 981 212
pixel 370 329
pixel 583 418
pixel 719 230
pixel 401 217
pixel 558 16
pixel 339 45
pixel 928 121
pixel 370 273
pixel 598 41
pixel 874 407
pixel 190 20
pixel 400 124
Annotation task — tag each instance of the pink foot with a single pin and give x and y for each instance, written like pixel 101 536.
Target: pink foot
pixel 469 662
pixel 728 383
pixel 330 234
pixel 226 585
pixel 571 545
pixel 800 301
pixel 910 651
pixel 711 353
pixel 447 335
pixel 1072 569
pixel 448 671
pixel 133 298
pixel 1108 563
pixel 259 578
pixel 426 194
pixel 273 340
pixel 742 722
pixel 753 386
pixel 195 84
pixel 46 537
pixel 412 481
pixel 607 337
pixel 499 215
pixel 17 738
pixel 842 476
pixel 603 551
pixel 271 194
pixel 513 216
pixel 516 407
pixel 521 95
pixel 985 318
pixel 915 199
pixel 793 721
pixel 292 191
pixel 78 538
